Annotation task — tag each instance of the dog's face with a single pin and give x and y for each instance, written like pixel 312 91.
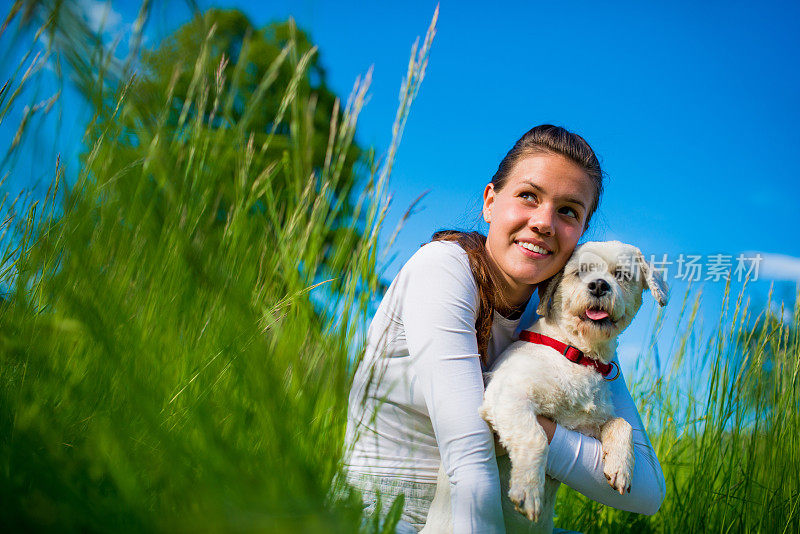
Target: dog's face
pixel 599 291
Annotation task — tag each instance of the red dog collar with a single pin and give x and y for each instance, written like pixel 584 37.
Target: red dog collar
pixel 571 353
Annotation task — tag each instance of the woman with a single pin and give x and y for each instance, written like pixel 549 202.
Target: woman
pixel 452 309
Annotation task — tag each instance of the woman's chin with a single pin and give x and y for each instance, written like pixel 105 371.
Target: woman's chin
pixel 534 270
pixel 532 278
pixel 536 274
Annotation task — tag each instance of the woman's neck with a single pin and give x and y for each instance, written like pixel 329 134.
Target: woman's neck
pixel 514 312
pixel 513 305
pixel 517 297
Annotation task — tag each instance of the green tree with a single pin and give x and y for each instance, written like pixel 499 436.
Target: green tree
pixel 269 89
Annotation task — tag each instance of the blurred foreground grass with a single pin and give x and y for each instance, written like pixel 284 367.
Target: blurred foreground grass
pixel 178 330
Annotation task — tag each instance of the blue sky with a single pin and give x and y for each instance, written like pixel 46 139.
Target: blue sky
pixel 692 109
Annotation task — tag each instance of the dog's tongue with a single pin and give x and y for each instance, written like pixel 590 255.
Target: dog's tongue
pixel 596 315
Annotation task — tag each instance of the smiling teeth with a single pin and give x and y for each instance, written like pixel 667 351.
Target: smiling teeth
pixel 533 248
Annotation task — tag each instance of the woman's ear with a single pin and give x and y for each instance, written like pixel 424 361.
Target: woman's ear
pixel 488 201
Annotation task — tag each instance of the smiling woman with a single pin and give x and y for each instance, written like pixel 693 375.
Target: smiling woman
pixel 552 182
pixel 536 216
pixel 452 309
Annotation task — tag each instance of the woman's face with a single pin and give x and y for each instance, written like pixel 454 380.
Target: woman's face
pixel 536 219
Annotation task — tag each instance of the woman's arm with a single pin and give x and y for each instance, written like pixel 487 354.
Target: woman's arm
pixel 577 461
pixel 439 310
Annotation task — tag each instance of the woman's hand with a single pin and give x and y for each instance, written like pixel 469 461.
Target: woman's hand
pixel 548 425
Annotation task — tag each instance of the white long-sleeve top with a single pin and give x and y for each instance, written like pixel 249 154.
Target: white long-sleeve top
pixel 415 398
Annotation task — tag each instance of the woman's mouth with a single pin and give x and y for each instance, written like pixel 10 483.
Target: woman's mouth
pixel 532 249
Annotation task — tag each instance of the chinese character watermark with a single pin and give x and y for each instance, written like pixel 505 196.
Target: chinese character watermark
pixel 696 268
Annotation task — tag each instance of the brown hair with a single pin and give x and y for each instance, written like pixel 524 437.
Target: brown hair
pixel 543 139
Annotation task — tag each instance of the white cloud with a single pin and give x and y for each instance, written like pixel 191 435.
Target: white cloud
pixel 99 16
pixel 777 266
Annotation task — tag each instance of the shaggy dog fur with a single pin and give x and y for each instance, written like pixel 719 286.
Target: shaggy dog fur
pixel 586 305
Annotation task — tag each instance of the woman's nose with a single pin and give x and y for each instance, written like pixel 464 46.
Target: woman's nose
pixel 542 221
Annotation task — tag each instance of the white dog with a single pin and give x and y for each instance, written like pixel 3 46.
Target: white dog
pixel 559 369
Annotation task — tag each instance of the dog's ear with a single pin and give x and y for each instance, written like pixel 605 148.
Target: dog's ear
pixel 653 280
pixel 548 288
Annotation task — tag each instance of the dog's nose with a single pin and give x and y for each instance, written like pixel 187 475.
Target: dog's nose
pixel 598 287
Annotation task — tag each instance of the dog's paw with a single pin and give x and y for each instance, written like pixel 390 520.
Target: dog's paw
pixel 618 469
pixel 527 500
pixel 526 491
pixel 617 439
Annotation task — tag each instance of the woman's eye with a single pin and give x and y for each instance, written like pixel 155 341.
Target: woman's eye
pixel 570 212
pixel 527 196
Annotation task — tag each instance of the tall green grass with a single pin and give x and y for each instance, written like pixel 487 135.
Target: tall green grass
pixel 725 421
pixel 165 365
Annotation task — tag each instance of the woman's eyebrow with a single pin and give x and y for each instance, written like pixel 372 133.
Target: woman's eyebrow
pixel 569 199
